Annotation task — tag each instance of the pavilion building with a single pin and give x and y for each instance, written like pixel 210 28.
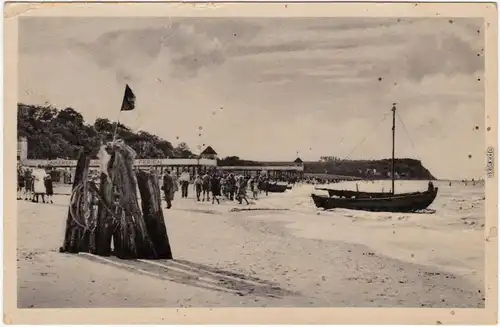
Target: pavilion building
pixel 208 153
pixel 273 169
pixel 207 161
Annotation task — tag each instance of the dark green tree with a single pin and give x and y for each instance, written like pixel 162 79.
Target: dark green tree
pixel 60 134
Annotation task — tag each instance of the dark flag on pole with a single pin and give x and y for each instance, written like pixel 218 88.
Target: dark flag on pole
pixel 128 99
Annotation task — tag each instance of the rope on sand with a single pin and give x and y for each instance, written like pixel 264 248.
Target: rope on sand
pixel 83 196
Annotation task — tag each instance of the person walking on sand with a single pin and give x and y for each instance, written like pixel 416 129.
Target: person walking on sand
pixel 242 190
pixel 175 178
pixel 231 186
pixel 223 186
pixel 253 187
pixel 215 188
pixel 184 179
pixel 197 186
pixel 168 188
pixel 264 184
pixel 70 177
pixel 49 187
pixel 39 184
pixel 206 187
pixel 28 184
pixel 20 182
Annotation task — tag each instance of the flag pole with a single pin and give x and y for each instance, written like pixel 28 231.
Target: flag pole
pixel 116 125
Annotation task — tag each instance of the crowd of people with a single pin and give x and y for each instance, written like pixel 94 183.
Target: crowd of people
pixel 214 186
pixel 34 184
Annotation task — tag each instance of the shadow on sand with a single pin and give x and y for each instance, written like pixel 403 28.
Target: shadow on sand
pixel 198 275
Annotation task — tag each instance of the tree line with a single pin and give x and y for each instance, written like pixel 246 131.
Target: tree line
pixel 60 134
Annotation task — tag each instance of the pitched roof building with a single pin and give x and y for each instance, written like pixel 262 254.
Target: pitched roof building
pixel 208 153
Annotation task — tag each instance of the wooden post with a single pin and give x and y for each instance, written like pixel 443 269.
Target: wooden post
pixel 130 239
pixel 74 239
pixel 149 189
pixel 105 221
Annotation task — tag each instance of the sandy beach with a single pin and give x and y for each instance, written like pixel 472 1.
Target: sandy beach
pixel 285 254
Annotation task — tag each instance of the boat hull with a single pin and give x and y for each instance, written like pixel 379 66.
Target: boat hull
pixel 276 188
pixel 356 194
pixel 405 202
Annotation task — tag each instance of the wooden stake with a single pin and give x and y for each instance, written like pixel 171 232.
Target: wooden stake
pixel 153 214
pixel 74 238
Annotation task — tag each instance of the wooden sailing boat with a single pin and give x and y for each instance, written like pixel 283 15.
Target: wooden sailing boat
pixel 387 202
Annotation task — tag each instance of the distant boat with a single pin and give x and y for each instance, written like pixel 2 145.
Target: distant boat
pixel 276 188
pixel 378 201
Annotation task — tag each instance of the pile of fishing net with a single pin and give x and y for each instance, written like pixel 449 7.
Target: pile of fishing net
pixel 106 210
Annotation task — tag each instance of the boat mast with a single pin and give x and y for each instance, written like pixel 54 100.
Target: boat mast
pixel 393 143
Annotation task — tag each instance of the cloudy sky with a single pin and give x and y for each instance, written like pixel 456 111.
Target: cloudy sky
pixel 264 89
